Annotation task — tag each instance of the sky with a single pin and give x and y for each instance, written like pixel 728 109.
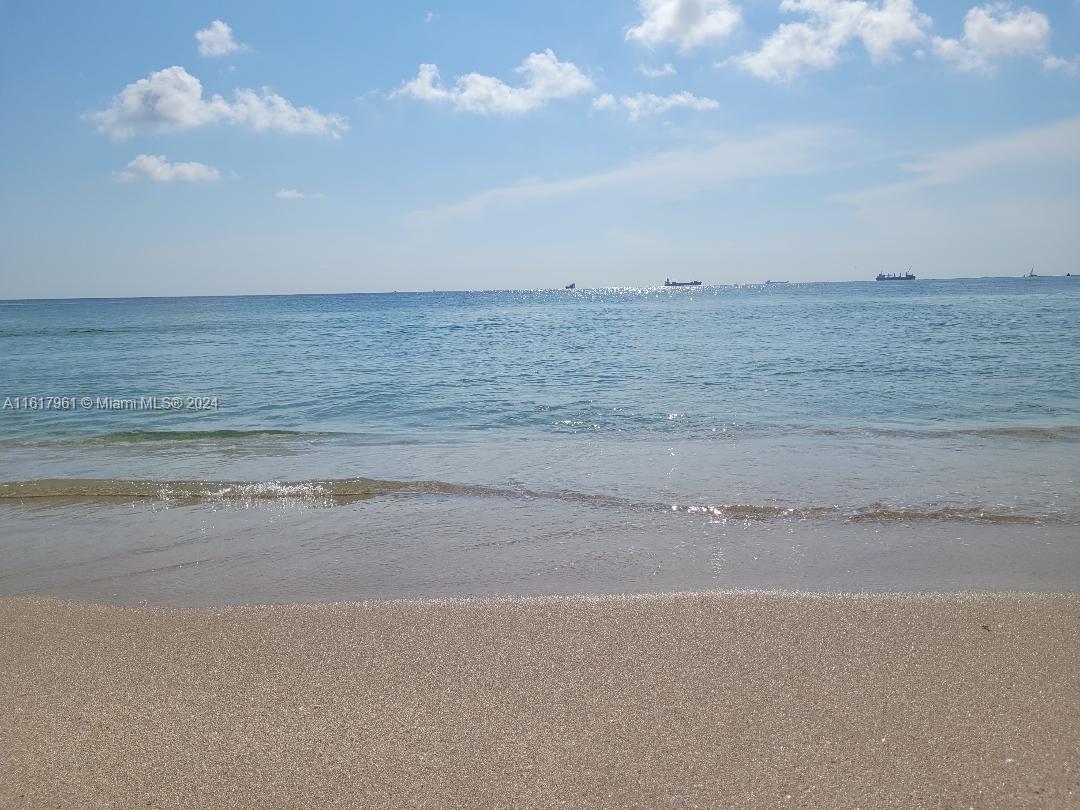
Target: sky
pixel 222 148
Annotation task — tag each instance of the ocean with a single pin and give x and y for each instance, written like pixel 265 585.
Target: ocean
pixel 845 436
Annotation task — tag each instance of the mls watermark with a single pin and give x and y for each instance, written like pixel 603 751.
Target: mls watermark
pixel 103 403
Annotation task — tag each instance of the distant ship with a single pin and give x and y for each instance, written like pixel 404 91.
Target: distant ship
pixel 908 276
pixel 776 282
pixel 669 283
pixel 570 286
pixel 1032 273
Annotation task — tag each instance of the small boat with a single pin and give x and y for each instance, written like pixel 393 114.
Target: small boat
pixel 908 276
pixel 669 283
pixel 570 286
pixel 1032 273
pixel 775 282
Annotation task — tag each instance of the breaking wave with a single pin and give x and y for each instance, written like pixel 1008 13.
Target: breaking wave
pixel 337 492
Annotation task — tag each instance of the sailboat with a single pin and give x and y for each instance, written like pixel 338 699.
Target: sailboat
pixel 1032 273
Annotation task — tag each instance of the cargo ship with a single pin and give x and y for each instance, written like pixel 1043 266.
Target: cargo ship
pixel 669 283
pixel 908 276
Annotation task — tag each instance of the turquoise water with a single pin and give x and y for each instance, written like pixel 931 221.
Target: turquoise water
pixel 589 440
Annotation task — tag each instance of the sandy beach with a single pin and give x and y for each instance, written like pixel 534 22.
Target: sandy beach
pixel 743 699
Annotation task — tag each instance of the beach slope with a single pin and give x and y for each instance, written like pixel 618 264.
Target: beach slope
pixel 725 698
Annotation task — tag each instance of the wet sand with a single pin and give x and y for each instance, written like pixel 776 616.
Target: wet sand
pixel 728 698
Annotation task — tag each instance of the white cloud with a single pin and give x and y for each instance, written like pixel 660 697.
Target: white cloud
pixel 1070 67
pixel 217 40
pixel 645 104
pixel 1056 144
pixel 158 169
pixel 667 175
pixel 604 102
pixel 170 100
pixel 686 23
pixel 545 79
pixel 656 73
pixel 992 32
pixel 816 44
pixel 267 110
pixel 294 194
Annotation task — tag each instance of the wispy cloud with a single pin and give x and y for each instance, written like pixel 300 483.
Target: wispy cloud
pixel 295 194
pixel 656 73
pixel 1056 144
pixel 172 99
pixel 605 101
pixel 217 40
pixel 545 79
pixel 666 175
pixel 643 105
pixel 158 169
pixel 1070 67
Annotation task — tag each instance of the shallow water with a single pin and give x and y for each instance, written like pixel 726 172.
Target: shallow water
pixel 880 436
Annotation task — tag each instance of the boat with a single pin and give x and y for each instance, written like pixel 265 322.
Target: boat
pixel 908 276
pixel 570 286
pixel 1032 273
pixel 775 282
pixel 669 283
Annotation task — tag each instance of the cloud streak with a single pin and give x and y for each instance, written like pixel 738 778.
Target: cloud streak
pixel 295 194
pixel 643 105
pixel 667 175
pixel 656 73
pixel 1056 145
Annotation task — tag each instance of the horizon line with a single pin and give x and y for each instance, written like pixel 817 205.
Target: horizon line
pixel 704 285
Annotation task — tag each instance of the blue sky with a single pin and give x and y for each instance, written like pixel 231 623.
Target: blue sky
pixel 219 148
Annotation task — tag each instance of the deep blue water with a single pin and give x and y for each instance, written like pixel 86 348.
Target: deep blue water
pixel 810 419
pixel 946 355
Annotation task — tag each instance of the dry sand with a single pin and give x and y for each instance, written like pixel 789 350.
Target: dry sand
pixel 725 699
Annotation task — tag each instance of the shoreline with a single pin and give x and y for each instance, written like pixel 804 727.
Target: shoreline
pixel 523 599
pixel 731 697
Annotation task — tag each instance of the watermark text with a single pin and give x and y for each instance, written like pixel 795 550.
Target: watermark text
pixel 48 402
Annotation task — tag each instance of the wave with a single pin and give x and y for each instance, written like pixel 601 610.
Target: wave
pixel 730 432
pixel 336 492
pixel 1045 433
